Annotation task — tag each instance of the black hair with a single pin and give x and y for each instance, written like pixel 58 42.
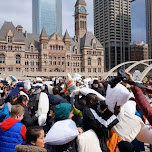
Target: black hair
pixel 33 133
pixel 12 98
pixel 56 90
pixel 2 101
pixel 21 98
pixel 92 100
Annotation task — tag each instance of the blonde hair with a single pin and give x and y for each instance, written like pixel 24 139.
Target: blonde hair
pixel 15 110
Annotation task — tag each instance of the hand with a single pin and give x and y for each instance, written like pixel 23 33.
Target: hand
pixel 130 76
pixel 80 130
pixel 150 127
pixel 116 109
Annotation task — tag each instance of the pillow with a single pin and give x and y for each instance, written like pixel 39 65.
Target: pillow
pixel 27 85
pixel 88 142
pixel 145 135
pixel 43 108
pixel 62 132
pixel 128 127
pixel 23 93
pixel 85 91
pixel 42 119
pixel 119 94
pixel 130 107
pixel 69 85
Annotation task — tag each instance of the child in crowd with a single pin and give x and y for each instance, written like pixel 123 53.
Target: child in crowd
pixel 12 131
pixel 28 119
pixel 4 111
pixel 34 141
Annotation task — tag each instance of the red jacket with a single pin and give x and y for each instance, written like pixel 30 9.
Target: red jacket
pixel 142 103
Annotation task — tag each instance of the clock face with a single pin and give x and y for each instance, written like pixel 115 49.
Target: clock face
pixel 82 9
pixel 77 10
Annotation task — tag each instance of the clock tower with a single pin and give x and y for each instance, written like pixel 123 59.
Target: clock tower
pixel 80 18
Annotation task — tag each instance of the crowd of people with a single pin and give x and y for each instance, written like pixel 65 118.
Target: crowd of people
pixel 80 119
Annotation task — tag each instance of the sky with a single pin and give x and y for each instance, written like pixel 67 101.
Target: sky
pixel 20 13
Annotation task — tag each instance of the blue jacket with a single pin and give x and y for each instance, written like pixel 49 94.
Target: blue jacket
pixel 10 135
pixel 4 113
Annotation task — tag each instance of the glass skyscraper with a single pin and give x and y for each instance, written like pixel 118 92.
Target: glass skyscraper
pixel 47 14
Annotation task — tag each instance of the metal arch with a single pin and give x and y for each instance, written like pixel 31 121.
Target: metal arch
pixel 116 67
pixel 144 73
pixel 137 63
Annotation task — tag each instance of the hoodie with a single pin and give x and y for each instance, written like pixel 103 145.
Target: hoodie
pixel 12 132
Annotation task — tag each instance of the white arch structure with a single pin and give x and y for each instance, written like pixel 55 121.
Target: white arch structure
pixel 135 63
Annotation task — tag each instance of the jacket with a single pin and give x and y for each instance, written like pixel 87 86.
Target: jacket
pixel 89 122
pixel 12 132
pixel 29 148
pixel 4 113
pixel 28 120
pixel 142 103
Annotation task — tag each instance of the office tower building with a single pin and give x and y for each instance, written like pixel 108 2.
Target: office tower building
pixel 149 26
pixel 112 27
pixel 47 14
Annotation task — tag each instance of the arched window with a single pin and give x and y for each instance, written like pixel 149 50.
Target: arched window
pixel 57 70
pixel 32 63
pixel 18 59
pixel 99 61
pixel 89 61
pixel 2 58
pixel 26 62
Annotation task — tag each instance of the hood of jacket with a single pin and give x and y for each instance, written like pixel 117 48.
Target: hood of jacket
pixel 8 123
pixel 29 148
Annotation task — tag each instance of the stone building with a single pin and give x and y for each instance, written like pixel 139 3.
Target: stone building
pixel 139 51
pixel 47 54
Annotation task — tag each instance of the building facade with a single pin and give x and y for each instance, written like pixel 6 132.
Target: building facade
pixel 47 14
pixel 149 26
pixel 139 51
pixel 112 27
pixel 33 53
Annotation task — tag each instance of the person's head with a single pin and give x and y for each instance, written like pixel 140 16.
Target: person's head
pixel 124 146
pixel 77 84
pixel 35 136
pixel 92 100
pixel 95 83
pixel 13 98
pixel 23 99
pixel 2 101
pixel 63 111
pixel 56 90
pixel 83 99
pixel 38 88
pixel 17 112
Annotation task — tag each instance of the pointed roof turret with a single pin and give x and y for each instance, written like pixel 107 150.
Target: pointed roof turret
pixel 80 2
pixel 66 35
pixel 43 33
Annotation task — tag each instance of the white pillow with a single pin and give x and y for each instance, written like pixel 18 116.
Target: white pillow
pixel 27 85
pixel 130 107
pixel 145 135
pixel 43 108
pixel 23 93
pixel 85 91
pixel 128 127
pixel 62 132
pixel 119 94
pixel 88 142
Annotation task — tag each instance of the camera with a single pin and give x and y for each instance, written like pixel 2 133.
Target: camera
pixel 122 76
